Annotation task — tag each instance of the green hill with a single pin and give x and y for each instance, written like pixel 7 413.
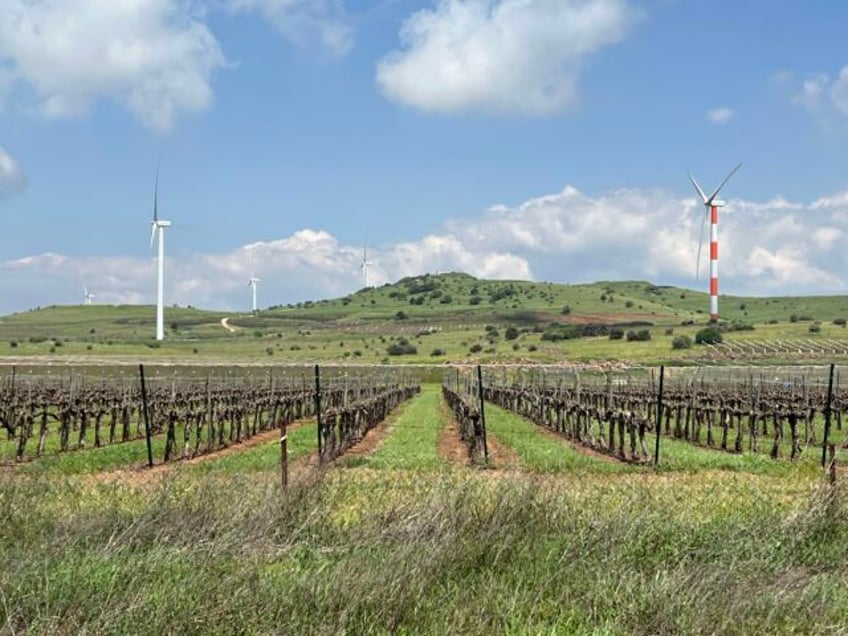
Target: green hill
pixel 445 317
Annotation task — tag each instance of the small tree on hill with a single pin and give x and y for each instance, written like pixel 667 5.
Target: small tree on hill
pixel 708 335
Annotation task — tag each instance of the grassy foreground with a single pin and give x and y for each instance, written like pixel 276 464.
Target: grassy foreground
pixel 363 551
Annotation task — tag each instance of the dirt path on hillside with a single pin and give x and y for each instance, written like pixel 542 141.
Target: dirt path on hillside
pixel 225 323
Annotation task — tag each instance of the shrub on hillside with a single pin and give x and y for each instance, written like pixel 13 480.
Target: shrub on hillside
pixel 616 333
pixel 638 336
pixel 681 342
pixel 511 333
pixel 708 335
pixel 401 348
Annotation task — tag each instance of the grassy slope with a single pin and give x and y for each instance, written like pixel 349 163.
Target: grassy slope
pixel 359 327
pixel 378 552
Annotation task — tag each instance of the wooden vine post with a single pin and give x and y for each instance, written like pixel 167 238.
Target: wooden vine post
pixel 658 428
pixel 827 410
pixel 482 412
pixel 284 453
pixel 146 416
pixel 318 407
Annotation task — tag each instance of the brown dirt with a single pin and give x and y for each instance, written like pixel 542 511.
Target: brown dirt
pixel 501 456
pixel 451 446
pixel 586 319
pixel 140 474
pixel 454 450
pixel 376 436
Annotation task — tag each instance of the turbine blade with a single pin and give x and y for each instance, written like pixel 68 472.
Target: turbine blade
pixel 700 243
pixel 152 235
pixel 697 187
pixel 156 194
pixel 721 185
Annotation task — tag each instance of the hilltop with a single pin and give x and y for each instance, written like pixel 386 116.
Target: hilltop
pixel 441 316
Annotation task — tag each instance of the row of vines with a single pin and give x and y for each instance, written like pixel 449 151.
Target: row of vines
pixel 191 415
pixel 613 413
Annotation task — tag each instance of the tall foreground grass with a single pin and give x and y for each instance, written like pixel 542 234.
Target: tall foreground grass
pixel 361 551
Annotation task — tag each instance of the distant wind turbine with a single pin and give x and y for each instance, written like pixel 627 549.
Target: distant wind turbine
pixel 711 205
pixel 88 295
pixel 365 264
pixel 158 225
pixel 254 282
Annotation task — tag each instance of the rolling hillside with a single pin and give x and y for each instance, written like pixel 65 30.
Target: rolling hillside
pixel 445 317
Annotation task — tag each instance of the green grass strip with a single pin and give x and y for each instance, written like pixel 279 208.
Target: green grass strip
pixel 414 442
pixel 301 441
pixel 679 455
pixel 540 452
pixel 93 460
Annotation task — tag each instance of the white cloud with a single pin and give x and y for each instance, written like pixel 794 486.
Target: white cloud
pixel 767 247
pixel 822 95
pixel 839 91
pixel 304 22
pixel 812 91
pixel 516 56
pixel 720 115
pixel 12 177
pixel 156 57
pixel 309 264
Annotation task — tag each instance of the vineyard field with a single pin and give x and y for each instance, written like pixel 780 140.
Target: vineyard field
pixel 414 507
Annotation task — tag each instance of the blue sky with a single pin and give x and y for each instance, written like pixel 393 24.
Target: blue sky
pixel 543 139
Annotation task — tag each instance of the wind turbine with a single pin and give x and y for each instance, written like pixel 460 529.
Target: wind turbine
pixel 88 295
pixel 711 205
pixel 253 282
pixel 158 225
pixel 365 264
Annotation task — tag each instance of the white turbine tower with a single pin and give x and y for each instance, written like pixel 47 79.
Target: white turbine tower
pixel 365 264
pixel 88 295
pixel 159 226
pixel 254 282
pixel 711 205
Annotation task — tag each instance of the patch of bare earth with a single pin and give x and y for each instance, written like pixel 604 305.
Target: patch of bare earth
pixel 141 474
pixel 455 451
pixel 451 446
pixel 376 436
pixel 501 456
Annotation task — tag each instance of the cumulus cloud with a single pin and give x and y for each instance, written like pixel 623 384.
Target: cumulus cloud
pixel 775 246
pixel 307 265
pixel 720 115
pixel 156 57
pixel 823 95
pixel 514 56
pixel 12 177
pixel 304 22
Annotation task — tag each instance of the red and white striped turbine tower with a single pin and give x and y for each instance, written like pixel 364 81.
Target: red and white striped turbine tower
pixel 711 205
